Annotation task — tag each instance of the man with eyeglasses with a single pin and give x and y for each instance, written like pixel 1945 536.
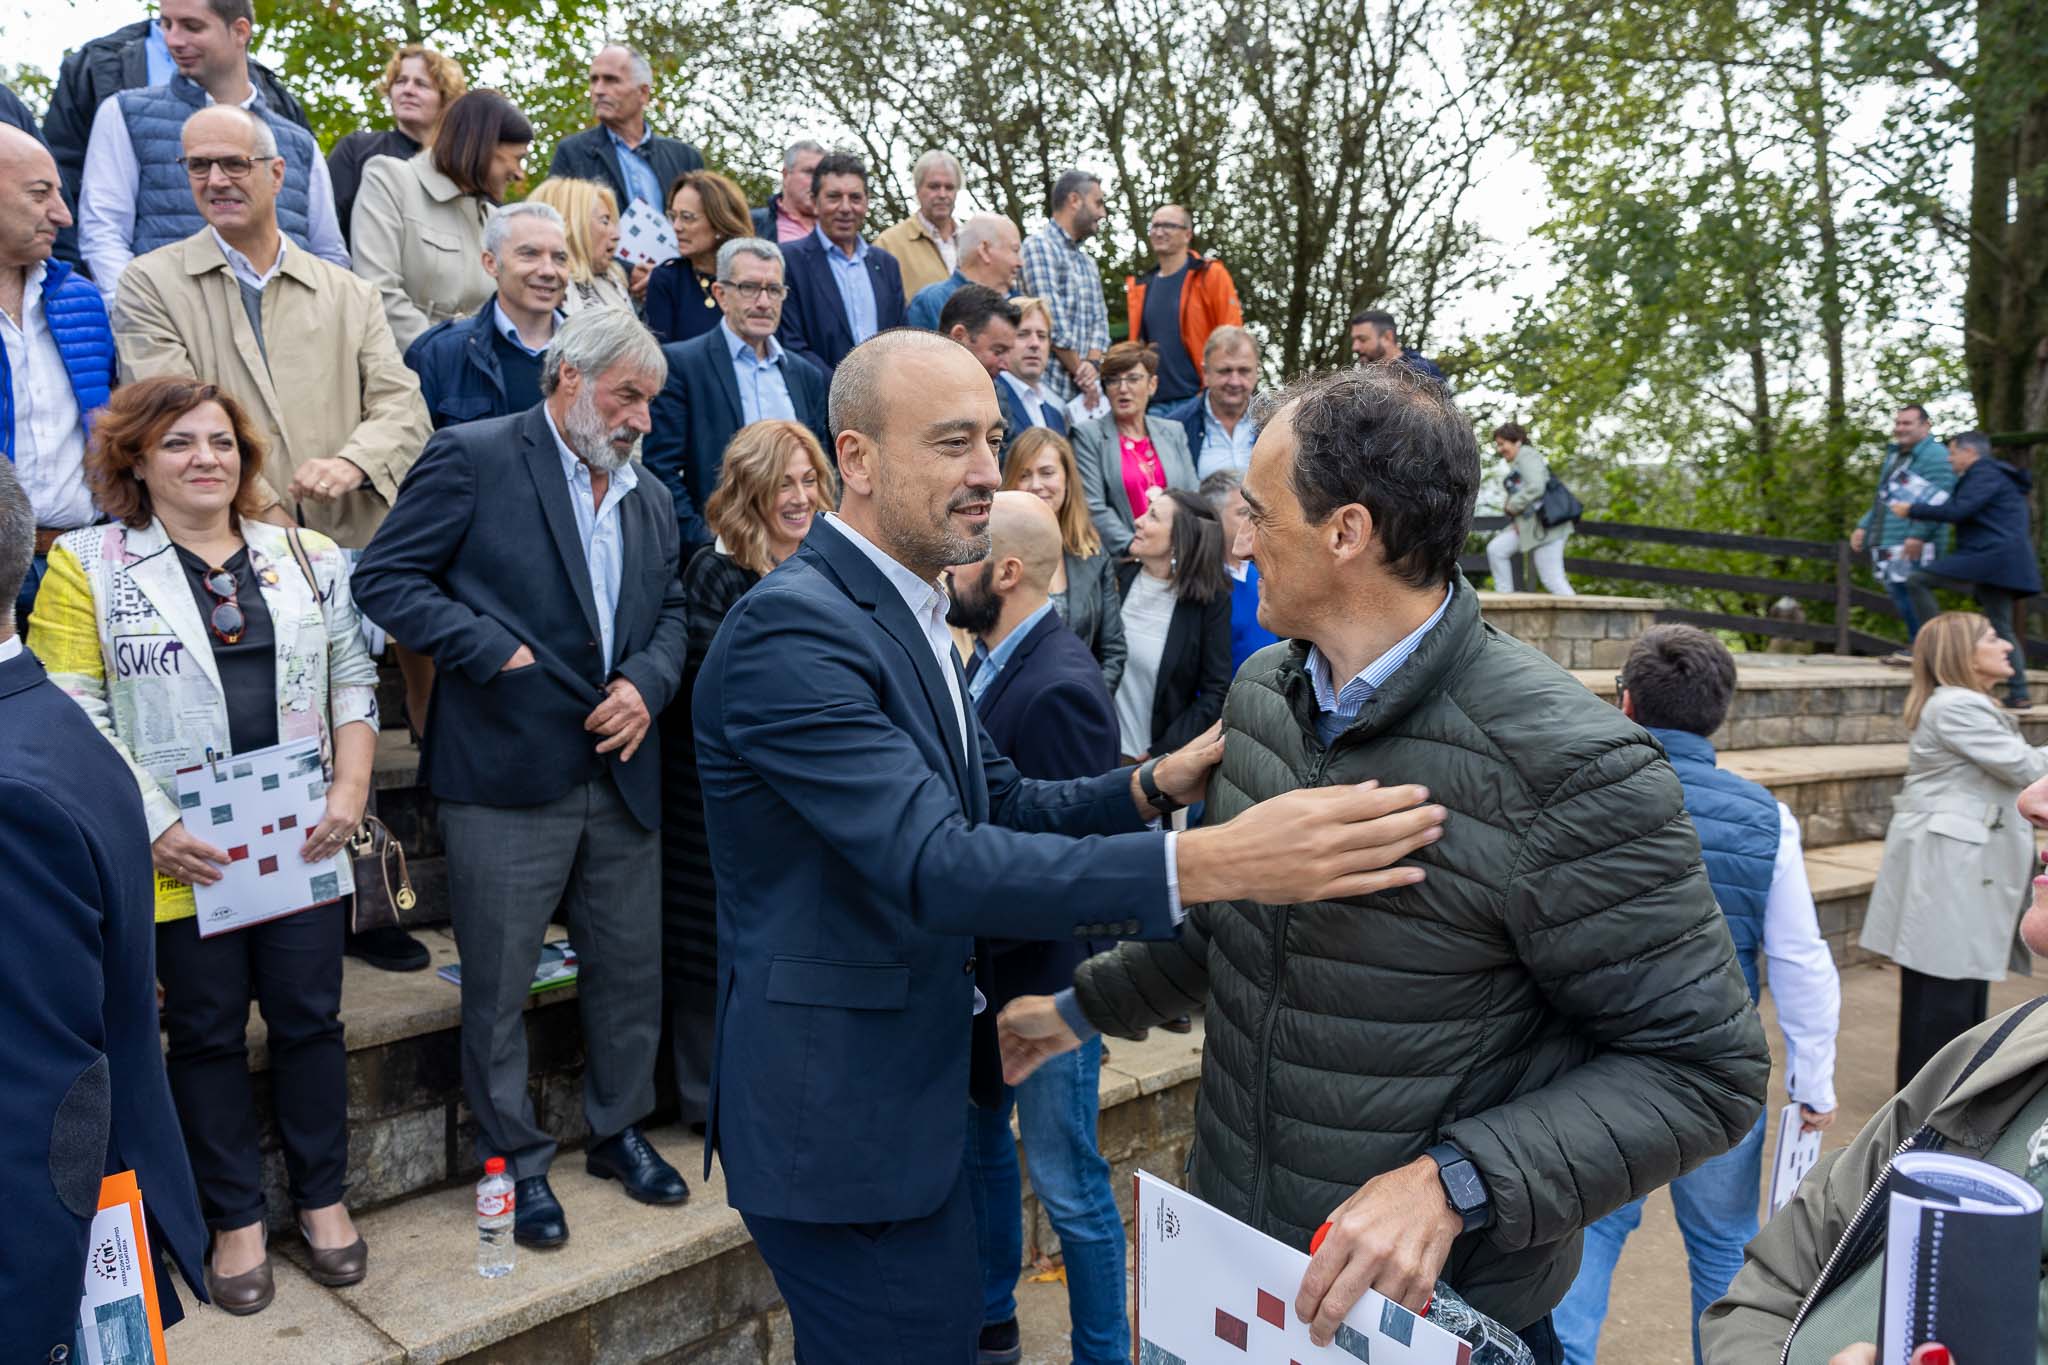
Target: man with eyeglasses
pixel 1176 306
pixel 732 375
pixel 135 197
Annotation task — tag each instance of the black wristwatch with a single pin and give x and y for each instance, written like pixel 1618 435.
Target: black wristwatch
pixel 1149 784
pixel 1464 1187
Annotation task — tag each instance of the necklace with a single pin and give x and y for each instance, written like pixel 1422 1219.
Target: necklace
pixel 704 284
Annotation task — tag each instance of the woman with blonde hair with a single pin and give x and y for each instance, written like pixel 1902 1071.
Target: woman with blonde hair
pixel 1084 590
pixel 774 482
pixel 1957 859
pixel 590 220
pixel 418 86
pixel 707 210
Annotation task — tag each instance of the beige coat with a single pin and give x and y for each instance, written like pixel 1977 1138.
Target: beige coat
pixel 420 240
pixel 916 254
pixel 1958 859
pixel 333 384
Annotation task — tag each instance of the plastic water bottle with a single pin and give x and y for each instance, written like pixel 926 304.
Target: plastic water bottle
pixel 494 1207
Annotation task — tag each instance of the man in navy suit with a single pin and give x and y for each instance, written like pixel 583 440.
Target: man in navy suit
pixel 734 374
pixel 841 290
pixel 531 560
pixel 84 1088
pixel 1041 699
pixel 1027 402
pixel 863 830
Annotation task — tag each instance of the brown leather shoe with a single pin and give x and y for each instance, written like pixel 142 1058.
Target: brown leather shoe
pixel 341 1266
pixel 243 1294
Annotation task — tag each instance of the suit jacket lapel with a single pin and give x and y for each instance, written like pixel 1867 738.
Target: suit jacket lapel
pixel 159 575
pixel 1014 666
pixel 544 462
pixel 728 382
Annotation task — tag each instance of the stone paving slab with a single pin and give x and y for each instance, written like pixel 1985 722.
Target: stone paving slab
pixel 1796 764
pixel 305 1324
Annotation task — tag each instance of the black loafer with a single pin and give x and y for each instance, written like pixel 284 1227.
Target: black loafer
pixel 537 1219
pixel 1000 1344
pixel 389 949
pixel 630 1159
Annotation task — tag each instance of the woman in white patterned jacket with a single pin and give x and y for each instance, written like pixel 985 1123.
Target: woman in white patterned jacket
pixel 181 626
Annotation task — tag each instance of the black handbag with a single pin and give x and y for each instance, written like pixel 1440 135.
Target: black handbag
pixel 1557 505
pixel 383 887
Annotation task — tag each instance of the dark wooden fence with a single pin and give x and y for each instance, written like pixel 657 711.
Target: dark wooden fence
pixel 1840 591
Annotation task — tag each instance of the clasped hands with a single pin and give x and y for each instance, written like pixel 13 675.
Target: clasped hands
pixel 622 717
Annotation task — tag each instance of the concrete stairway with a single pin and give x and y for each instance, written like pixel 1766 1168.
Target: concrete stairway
pixel 640 1284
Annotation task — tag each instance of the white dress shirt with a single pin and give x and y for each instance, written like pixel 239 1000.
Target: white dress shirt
pixel 49 431
pixel 1803 980
pixel 1034 398
pixel 107 189
pixel 9 647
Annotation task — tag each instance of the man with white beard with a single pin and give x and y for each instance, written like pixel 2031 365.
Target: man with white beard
pixel 532 558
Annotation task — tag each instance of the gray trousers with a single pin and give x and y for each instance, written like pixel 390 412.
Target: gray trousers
pixel 509 870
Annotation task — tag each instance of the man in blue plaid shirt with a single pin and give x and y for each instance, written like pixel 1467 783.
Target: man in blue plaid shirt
pixel 1058 271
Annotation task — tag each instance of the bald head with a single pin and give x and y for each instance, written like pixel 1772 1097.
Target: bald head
pixel 1022 526
pixel 31 201
pixel 242 173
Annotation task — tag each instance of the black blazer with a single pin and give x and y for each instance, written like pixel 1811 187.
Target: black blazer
pixel 1194 668
pixel 814 323
pixel 84 1088
pixel 698 411
pixel 589 155
pixel 1049 713
pixel 462 570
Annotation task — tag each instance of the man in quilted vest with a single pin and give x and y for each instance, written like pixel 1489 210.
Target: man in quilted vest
pixel 1460 1074
pixel 1677 684
pixel 134 196
pixel 57 364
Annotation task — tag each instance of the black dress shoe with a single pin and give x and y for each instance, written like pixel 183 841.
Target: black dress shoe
pixel 999 1345
pixel 537 1219
pixel 1180 1023
pixel 389 949
pixel 630 1159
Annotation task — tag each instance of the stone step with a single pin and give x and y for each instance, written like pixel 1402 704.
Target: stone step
pixel 1579 632
pixel 1841 793
pixel 1784 699
pixel 634 1283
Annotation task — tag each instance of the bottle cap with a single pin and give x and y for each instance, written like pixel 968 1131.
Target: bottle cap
pixel 494 1165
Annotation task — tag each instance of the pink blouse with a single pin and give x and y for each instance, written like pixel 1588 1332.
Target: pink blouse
pixel 1144 475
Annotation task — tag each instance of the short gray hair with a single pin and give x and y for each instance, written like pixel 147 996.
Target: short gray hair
pixel 262 141
pixel 933 159
pixel 730 253
pixel 982 227
pixel 17 541
pixel 642 69
pixel 1227 336
pixel 1218 485
pixel 598 340
pixel 499 225
pixel 797 149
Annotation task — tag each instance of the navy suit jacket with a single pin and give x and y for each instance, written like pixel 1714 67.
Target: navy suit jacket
pixel 1017 418
pixel 814 323
pixel 859 848
pixel 84 1088
pixel 697 413
pixel 479 556
pixel 1049 713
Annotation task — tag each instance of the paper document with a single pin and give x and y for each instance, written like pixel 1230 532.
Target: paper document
pixel 258 806
pixel 645 237
pixel 1797 1151
pixel 1962 1260
pixel 1210 1289
pixel 118 1319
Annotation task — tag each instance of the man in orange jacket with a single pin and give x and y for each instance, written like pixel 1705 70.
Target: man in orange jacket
pixel 1176 306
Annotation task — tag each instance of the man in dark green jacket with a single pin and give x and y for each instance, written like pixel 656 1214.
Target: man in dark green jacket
pixel 1549 1025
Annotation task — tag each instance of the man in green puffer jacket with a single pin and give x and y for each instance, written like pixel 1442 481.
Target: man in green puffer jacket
pixel 1462 1073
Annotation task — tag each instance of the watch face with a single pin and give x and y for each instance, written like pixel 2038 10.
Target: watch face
pixel 1462 1184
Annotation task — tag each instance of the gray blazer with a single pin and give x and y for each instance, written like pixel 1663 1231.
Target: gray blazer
pixel 1093 610
pixel 1100 461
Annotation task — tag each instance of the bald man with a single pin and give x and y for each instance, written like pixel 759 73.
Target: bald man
pixel 990 252
pixel 1041 700
pixel 864 831
pixel 57 365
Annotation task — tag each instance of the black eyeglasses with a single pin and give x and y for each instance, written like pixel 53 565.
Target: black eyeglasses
pixel 227 621
pixel 233 167
pixel 749 290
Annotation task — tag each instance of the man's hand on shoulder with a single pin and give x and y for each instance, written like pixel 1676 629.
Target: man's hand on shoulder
pixel 1393 1235
pixel 1312 844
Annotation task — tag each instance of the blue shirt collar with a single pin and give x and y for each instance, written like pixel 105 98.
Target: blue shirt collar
pixel 1352 697
pixel 646 136
pixel 992 660
pixel 832 251
pixel 510 332
pixel 743 353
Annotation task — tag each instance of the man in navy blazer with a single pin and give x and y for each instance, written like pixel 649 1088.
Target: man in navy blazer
pixel 537 566
pixel 84 1088
pixel 863 830
pixel 841 290
pixel 732 375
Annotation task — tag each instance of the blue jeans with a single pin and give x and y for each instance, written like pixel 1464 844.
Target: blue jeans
pixel 1903 600
pixel 1717 1206
pixel 1056 1113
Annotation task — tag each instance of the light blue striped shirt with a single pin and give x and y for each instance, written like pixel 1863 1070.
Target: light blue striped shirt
pixel 1337 707
pixel 601 531
pixel 856 288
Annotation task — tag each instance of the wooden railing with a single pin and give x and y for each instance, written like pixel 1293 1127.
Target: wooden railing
pixel 1840 590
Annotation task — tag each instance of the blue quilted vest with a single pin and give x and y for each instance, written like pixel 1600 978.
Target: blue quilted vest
pixel 77 319
pixel 1737 822
pixel 164 210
